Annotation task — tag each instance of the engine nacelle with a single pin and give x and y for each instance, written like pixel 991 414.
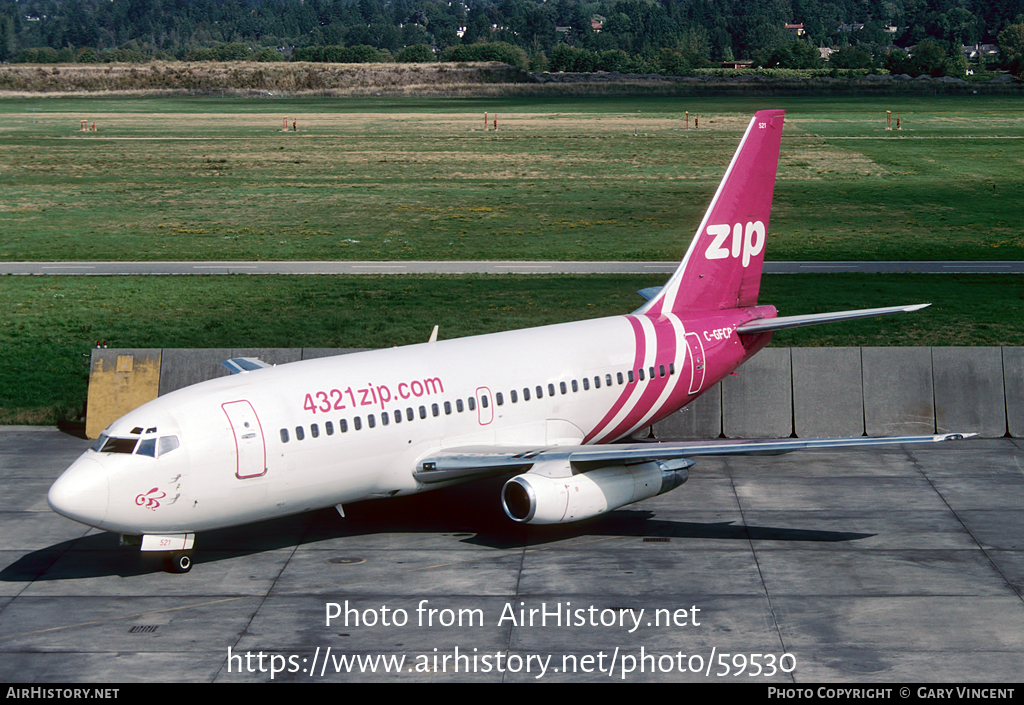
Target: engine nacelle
pixel 539 497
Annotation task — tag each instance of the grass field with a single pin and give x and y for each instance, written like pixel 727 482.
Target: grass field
pixel 562 178
pixel 579 178
pixel 48 323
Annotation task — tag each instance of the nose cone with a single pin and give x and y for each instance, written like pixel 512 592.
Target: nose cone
pixel 82 493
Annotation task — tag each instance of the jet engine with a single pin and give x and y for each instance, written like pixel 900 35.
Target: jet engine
pixel 542 496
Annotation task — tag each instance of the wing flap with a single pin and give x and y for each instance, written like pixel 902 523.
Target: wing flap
pixel 644 452
pixel 474 462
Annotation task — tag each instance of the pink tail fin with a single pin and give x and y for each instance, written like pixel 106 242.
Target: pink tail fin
pixel 722 268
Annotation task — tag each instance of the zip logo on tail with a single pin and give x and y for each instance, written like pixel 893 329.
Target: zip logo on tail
pixel 748 241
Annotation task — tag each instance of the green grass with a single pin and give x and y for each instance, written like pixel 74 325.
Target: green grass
pixel 48 323
pixel 563 178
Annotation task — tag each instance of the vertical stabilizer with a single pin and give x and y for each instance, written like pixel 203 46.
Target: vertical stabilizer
pixel 722 267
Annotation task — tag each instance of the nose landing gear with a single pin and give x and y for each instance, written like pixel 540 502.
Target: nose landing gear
pixel 178 562
pixel 176 549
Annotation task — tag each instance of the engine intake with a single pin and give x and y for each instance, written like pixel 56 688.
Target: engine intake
pixel 539 497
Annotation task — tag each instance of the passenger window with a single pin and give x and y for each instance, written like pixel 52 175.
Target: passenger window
pixel 597 381
pixel 586 384
pixel 343 426
pixel 540 392
pixel 147 446
pixel 526 394
pixel 472 404
pixel 409 414
pixel 639 372
pixel 458 405
pixel 515 397
pixel 284 435
pixel 575 387
pixel 551 390
pixel 650 371
pixel 483 401
pixel 562 388
pixel 370 421
pixel 434 410
pixel 630 374
pixel 661 370
pixel 398 416
pixel 300 434
pixel 618 377
pixel 357 423
pixel 447 408
pixel 385 419
pixel 423 412
pixel 329 427
pixel 314 430
pixel 671 368
pixel 498 399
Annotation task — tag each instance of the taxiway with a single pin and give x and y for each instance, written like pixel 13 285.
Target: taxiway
pixel 898 564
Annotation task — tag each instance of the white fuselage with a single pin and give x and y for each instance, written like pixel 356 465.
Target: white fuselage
pixel 335 430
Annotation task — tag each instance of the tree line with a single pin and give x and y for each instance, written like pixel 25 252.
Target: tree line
pixel 670 36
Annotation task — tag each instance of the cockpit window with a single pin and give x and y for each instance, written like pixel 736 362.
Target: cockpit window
pixel 147 446
pixel 168 443
pixel 150 447
pixel 106 444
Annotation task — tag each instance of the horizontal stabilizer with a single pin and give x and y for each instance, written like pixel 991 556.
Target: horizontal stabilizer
pixel 244 364
pixel 650 292
pixel 766 324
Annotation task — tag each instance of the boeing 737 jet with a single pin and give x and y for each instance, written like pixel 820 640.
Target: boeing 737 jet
pixel 547 406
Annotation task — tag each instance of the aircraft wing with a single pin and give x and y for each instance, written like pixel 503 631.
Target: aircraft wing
pixel 239 365
pixel 475 462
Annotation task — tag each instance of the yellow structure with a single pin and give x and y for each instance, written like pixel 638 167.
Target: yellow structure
pixel 119 381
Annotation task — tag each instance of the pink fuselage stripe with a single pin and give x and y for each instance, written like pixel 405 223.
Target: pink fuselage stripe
pixel 663 355
pixel 640 340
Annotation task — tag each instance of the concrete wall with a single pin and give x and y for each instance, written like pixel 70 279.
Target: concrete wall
pixel 899 397
pixel 822 392
pixel 757 401
pixel 182 366
pixel 781 392
pixel 1013 386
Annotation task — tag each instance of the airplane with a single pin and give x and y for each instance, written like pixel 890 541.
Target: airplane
pixel 549 406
